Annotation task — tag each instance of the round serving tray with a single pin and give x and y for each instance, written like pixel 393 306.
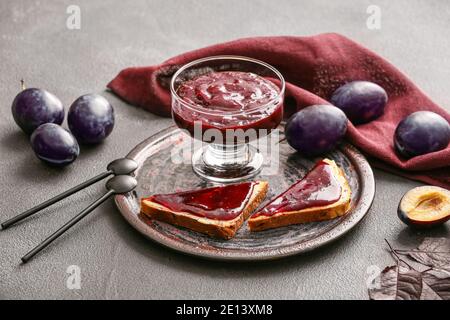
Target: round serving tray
pixel 164 167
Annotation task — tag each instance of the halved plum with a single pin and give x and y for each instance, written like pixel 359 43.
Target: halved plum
pixel 425 206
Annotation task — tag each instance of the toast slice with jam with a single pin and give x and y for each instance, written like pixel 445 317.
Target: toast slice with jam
pixel 217 211
pixel 323 194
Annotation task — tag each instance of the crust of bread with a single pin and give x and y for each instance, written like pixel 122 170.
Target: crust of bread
pixel 224 229
pixel 339 208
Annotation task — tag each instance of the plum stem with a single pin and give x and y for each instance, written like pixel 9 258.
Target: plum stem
pixel 22 84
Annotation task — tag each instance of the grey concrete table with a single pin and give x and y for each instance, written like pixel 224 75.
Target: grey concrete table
pixel 115 260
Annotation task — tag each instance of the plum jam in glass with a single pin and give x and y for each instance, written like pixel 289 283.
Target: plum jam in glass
pixel 227 102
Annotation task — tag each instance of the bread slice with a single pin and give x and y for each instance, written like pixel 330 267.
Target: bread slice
pixel 269 217
pixel 198 221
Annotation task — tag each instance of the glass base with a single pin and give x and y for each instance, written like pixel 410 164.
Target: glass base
pixel 227 163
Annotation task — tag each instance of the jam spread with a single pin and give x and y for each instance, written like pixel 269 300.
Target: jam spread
pixel 228 91
pixel 318 188
pixel 229 100
pixel 218 203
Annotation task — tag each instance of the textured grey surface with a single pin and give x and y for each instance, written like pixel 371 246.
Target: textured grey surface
pixel 116 261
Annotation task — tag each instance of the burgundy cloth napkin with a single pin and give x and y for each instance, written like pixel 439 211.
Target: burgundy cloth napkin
pixel 313 68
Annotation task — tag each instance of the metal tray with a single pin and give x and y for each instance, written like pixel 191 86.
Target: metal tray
pixel 159 173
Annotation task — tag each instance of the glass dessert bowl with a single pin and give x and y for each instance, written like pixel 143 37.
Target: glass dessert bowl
pixel 226 102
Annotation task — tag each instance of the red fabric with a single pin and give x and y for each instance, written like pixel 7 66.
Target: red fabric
pixel 313 67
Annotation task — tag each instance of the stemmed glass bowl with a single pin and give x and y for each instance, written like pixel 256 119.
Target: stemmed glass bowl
pixel 225 154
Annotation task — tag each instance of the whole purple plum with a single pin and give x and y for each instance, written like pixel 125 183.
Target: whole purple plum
pixel 361 101
pixel 54 145
pixel 421 132
pixel 316 129
pixel 91 118
pixel 33 107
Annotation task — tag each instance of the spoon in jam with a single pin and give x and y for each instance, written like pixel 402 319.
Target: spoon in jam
pixel 117 185
pixel 122 166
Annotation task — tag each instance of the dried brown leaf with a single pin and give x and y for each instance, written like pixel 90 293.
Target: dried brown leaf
pixel 433 252
pixel 427 279
pixel 398 283
pixel 438 281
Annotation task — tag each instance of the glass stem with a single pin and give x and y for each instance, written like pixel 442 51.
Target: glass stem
pixel 226 156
